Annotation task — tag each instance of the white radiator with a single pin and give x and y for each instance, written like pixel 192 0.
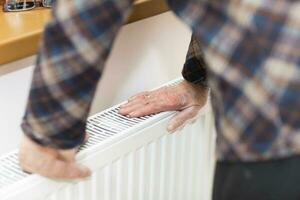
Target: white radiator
pixel 131 159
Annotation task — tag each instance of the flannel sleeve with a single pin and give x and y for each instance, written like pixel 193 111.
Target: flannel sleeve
pixel 74 48
pixel 195 68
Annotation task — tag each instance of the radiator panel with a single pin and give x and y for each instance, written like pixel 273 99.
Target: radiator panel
pixel 170 167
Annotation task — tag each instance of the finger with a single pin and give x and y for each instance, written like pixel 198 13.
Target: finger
pixel 67 155
pixel 148 109
pixel 127 110
pixel 137 104
pixel 133 101
pixel 49 162
pixel 137 100
pixel 139 108
pixel 132 104
pixel 182 117
pixel 86 138
pixel 56 168
pixel 65 170
pixel 141 94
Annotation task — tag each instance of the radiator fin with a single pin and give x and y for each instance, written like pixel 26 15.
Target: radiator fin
pixel 101 127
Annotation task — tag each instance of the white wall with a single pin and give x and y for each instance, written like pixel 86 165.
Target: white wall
pixel 13 93
pixel 146 54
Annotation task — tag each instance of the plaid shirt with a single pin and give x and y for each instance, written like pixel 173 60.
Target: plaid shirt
pixel 251 47
pixel 195 66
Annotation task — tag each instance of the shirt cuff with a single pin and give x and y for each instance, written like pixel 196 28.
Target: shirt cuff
pixel 63 140
pixel 194 71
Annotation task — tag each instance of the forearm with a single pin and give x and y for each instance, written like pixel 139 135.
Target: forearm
pixel 70 61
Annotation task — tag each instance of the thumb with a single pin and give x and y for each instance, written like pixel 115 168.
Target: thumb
pixel 66 166
pixel 50 162
pixel 181 118
pixel 66 170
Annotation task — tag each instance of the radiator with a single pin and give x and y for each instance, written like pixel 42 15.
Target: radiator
pixel 131 159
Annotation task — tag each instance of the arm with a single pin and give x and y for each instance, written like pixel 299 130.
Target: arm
pixel 194 69
pixel 73 52
pixel 187 97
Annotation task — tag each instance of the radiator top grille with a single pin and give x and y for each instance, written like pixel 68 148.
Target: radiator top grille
pixel 100 127
pixel 104 125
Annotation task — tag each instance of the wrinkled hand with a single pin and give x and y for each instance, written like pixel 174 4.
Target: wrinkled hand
pixel 49 162
pixel 184 97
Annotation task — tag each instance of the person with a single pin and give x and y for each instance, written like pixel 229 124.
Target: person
pixel 237 176
pixel 252 53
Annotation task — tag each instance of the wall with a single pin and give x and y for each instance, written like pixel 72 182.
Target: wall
pixel 146 54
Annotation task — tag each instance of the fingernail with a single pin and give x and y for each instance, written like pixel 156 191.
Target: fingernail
pixel 170 128
pixel 132 114
pixel 122 106
pixel 122 111
pixel 129 99
pixel 85 171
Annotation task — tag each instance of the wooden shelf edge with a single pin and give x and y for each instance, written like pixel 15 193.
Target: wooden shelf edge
pixel 22 47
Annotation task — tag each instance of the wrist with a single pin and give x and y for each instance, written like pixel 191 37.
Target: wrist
pixel 198 92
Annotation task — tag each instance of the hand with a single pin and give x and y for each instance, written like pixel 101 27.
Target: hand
pixel 184 97
pixel 49 162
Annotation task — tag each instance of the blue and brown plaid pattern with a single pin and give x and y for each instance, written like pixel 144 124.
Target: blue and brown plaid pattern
pixel 252 50
pixel 252 56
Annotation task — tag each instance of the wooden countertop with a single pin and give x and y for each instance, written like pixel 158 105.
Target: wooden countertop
pixel 20 32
